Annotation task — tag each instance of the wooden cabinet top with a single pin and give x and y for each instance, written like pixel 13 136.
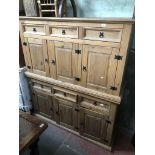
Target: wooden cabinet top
pixel 107 20
pixel 81 52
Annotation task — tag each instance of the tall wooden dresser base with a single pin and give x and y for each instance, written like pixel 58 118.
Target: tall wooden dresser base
pixel 75 69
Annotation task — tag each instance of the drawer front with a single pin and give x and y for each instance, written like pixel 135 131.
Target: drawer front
pixel 93 105
pixel 63 45
pixel 34 29
pixel 41 88
pixel 64 31
pixel 101 34
pixel 65 94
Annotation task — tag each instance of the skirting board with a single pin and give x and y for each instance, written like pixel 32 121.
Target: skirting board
pixel 109 148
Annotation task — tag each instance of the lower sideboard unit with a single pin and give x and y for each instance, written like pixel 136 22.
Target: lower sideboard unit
pixel 86 115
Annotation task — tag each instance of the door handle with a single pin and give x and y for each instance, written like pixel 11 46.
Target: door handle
pixel 46 60
pixel 53 62
pixel 34 29
pixel 84 68
pixel 77 78
pixel 101 35
pixel 63 32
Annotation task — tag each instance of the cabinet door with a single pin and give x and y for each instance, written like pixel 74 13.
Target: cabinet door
pixel 93 125
pixel 65 61
pixel 37 56
pixel 99 67
pixel 66 114
pixel 44 103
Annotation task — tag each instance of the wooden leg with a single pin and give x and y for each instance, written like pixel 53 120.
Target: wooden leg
pixel 34 148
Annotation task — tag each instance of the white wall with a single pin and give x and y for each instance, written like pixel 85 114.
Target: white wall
pixel 103 8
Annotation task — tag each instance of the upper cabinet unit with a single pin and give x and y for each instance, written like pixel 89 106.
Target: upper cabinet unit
pixel 88 53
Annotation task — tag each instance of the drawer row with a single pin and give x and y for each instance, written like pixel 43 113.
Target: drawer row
pixel 99 106
pixel 104 33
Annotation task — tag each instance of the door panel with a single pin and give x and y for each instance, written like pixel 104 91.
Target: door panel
pixel 93 125
pixel 100 67
pixel 37 57
pixel 37 49
pixel 66 112
pixel 76 63
pixel 45 104
pixel 95 61
pixel 65 61
pixel 95 122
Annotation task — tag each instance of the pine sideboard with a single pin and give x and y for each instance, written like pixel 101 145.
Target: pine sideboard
pixel 75 68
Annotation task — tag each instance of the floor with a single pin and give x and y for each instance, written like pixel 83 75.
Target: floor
pixel 56 141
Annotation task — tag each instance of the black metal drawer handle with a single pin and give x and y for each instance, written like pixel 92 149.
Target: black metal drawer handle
pixel 24 43
pixel 34 29
pixel 63 32
pixel 95 103
pixel 101 35
pixel 78 51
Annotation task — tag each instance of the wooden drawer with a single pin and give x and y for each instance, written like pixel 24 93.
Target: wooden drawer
pixel 96 106
pixel 41 88
pixel 63 45
pixel 102 34
pixel 64 31
pixel 34 29
pixel 65 94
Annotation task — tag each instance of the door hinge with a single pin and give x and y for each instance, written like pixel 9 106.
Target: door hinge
pixel 53 62
pixel 77 79
pixel 77 110
pixel 76 128
pixel 24 43
pixel 29 67
pixel 113 88
pixel 57 113
pixel 106 141
pixel 118 57
pixel 84 68
pixel 78 51
pixel 109 122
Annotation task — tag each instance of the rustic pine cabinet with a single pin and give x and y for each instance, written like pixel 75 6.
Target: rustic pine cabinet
pixel 75 68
